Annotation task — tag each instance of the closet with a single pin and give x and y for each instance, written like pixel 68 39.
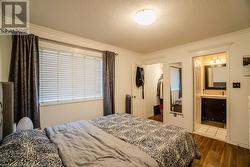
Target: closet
pixel 154 91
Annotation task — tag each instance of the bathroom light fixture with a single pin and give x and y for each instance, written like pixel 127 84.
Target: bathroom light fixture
pixel 145 17
pixel 216 61
pixel 197 63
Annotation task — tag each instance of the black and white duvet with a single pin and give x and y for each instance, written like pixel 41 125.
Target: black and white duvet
pixel 166 144
pixel 29 148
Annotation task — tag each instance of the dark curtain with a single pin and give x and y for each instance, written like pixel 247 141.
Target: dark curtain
pixel 24 72
pixel 108 83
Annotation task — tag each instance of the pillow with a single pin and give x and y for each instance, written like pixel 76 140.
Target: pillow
pixel 29 148
pixel 24 124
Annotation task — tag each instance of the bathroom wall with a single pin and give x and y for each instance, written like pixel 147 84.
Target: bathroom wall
pixel 206 60
pixel 198 88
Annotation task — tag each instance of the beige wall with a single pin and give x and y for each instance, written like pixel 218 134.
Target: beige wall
pixel 205 60
pixel 55 114
pixel 62 113
pixel 87 110
pixel 5 54
pixel 239 47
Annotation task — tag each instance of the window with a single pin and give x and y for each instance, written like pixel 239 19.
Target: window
pixel 66 77
pixel 175 78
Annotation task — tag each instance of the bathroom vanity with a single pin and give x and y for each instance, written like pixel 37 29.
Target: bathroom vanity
pixel 213 105
pixel 213 108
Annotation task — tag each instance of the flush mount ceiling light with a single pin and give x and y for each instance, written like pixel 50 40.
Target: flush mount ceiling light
pixel 145 17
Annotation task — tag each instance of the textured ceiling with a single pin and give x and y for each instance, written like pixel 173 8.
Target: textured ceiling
pixel 110 21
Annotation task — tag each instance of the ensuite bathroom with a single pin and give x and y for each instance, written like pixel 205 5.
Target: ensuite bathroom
pixel 211 95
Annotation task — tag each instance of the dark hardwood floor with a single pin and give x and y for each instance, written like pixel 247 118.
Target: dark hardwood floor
pixel 220 154
pixel 216 153
pixel 158 117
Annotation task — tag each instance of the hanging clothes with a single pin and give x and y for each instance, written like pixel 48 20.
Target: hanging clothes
pixel 160 88
pixel 140 79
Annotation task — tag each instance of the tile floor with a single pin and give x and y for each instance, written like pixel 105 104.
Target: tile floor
pixel 212 131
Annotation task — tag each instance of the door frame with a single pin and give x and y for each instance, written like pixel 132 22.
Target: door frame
pixel 203 52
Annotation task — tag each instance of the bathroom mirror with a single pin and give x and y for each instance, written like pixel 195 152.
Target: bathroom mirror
pixel 176 87
pixel 215 76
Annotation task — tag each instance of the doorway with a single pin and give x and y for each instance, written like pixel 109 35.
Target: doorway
pixel 154 83
pixel 147 100
pixel 210 95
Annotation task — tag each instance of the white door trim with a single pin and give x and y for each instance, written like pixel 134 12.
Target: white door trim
pixel 213 50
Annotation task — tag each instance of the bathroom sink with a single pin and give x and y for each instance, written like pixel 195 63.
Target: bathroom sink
pixel 214 96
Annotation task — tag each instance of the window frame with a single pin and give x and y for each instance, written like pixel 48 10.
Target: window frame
pixel 75 51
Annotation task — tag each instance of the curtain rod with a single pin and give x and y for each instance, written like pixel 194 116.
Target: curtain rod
pixel 73 45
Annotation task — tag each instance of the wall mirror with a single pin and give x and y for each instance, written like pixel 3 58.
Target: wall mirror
pixel 216 76
pixel 176 87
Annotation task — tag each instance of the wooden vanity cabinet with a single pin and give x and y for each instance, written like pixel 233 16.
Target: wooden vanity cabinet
pixel 213 110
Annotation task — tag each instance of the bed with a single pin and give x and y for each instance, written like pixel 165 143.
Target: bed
pixel 115 140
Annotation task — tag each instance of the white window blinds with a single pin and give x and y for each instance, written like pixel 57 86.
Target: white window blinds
pixel 69 76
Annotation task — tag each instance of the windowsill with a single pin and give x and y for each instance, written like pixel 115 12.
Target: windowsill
pixel 55 103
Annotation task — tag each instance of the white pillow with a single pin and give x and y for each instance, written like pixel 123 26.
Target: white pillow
pixel 24 124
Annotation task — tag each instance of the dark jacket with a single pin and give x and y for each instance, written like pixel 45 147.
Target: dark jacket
pixel 140 79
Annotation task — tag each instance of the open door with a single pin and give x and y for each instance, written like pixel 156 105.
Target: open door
pixel 137 94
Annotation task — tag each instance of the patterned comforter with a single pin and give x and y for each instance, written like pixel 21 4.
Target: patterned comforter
pixel 29 148
pixel 169 145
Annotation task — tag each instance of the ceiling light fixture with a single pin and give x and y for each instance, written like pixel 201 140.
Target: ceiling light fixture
pixel 145 17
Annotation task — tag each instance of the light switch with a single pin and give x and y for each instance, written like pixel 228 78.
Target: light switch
pixel 236 84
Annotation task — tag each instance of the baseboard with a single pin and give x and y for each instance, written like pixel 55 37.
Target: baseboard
pixel 226 141
pixel 212 137
pixel 246 146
